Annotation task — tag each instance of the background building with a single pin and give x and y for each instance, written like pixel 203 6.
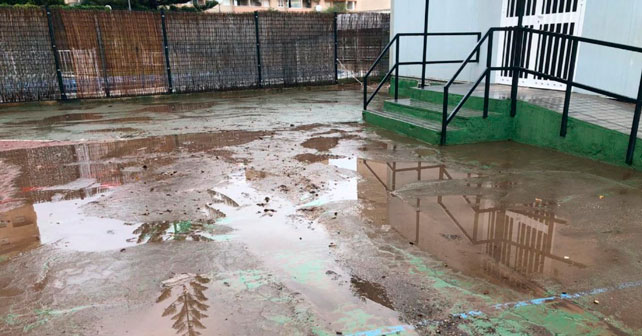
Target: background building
pixel 242 6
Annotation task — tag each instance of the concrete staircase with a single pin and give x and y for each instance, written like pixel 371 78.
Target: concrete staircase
pixel 419 116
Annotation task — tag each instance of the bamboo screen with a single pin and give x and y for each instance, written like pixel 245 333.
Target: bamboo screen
pixel 361 38
pixel 27 67
pixel 210 52
pixel 117 53
pixel 296 48
pixel 121 53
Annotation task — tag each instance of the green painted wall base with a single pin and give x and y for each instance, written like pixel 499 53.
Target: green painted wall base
pixel 533 125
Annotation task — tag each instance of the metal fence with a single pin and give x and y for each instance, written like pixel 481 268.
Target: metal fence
pixel 68 54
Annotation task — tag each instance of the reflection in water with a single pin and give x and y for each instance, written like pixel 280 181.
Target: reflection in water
pixel 189 307
pixel 51 174
pixel 470 232
pixel 18 229
pixel 156 232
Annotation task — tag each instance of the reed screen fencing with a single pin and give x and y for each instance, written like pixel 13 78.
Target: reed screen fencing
pixel 70 54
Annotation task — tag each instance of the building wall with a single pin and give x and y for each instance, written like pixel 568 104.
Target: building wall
pixel 445 16
pixel 617 21
pixel 373 6
pixel 614 70
pixel 226 6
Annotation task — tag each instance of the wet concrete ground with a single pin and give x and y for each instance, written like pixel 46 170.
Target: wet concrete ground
pixel 280 213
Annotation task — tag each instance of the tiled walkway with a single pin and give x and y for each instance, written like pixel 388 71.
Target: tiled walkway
pixel 594 109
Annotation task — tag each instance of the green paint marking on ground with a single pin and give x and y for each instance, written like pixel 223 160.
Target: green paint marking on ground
pixel 11 319
pixel 318 331
pixel 252 279
pixel 3 258
pixel 182 227
pixel 224 220
pixel 438 277
pixel 67 311
pixel 223 237
pixel 303 268
pixel 526 320
pixel 356 319
pixel 45 314
pixel 246 280
pixel 280 319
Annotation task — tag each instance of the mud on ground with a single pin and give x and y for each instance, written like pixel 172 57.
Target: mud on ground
pixel 225 217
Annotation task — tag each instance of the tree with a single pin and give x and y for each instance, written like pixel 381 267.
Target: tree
pixel 34 2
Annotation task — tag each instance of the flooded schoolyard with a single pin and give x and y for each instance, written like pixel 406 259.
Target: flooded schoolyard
pixel 280 213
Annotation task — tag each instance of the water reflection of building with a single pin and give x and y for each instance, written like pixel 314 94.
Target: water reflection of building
pixel 467 231
pixel 18 228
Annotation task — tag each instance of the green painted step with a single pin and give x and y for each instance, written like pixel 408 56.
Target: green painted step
pixel 420 128
pixel 428 130
pixel 409 89
pixel 433 111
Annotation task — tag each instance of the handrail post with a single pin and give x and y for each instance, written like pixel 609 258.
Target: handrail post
pixel 425 49
pixel 569 88
pixel 444 117
pixel 397 69
pixel 476 60
pixel 170 89
pixel 336 49
pixel 517 63
pixel 54 49
pixel 489 57
pixel 634 128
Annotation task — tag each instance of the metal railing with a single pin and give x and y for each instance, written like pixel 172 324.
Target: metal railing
pixel 396 41
pixel 516 68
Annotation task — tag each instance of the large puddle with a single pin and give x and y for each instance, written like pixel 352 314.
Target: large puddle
pixel 529 233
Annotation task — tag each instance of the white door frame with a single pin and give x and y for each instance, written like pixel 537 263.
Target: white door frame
pixel 538 19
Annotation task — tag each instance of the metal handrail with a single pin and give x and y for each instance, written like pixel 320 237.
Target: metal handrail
pixel 396 40
pixel 470 56
pixel 570 83
pixel 452 114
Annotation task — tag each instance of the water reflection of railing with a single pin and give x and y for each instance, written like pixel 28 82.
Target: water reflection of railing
pixel 520 237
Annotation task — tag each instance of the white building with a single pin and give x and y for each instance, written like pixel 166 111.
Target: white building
pixel 618 21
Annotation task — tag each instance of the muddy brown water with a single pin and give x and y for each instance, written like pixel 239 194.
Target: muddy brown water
pixel 314 228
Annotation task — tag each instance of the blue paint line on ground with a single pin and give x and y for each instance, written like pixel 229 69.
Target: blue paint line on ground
pixel 501 306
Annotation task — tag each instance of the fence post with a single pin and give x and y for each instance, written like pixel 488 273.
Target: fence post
pixel 101 50
pixel 569 87
pixel 633 137
pixel 258 47
pixel 54 49
pixel 170 89
pixel 336 50
pixel 517 53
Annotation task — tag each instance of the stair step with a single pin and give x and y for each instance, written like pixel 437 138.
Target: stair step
pixel 434 108
pixel 419 128
pixel 428 124
pixel 434 95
